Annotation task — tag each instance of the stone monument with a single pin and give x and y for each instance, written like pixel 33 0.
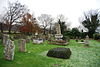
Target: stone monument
pixel 22 45
pixel 9 50
pixel 5 39
pixel 58 34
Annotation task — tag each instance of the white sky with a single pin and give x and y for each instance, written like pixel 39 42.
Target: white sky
pixel 72 9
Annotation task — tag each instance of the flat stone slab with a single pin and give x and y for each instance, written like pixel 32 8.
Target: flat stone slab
pixel 37 41
pixel 59 52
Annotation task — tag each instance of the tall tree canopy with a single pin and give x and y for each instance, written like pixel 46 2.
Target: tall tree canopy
pixel 91 21
pixel 29 24
pixel 14 13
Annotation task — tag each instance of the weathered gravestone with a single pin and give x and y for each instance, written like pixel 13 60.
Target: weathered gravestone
pixel 86 42
pixel 9 50
pixel 28 40
pixel 5 39
pixel 22 45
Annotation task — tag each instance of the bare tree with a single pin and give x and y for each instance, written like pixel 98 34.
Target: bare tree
pixel 14 13
pixel 64 24
pixel 1 25
pixel 61 17
pixel 45 21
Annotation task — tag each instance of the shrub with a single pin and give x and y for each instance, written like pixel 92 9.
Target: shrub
pixel 66 38
pixel 76 40
pixel 96 36
pixel 17 36
pixel 82 40
pixel 59 53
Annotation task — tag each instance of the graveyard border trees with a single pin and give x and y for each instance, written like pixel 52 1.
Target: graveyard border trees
pixel 91 21
pixel 13 14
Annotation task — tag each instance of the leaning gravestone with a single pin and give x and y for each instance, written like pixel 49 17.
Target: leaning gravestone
pixel 9 50
pixel 59 53
pixel 22 45
pixel 5 39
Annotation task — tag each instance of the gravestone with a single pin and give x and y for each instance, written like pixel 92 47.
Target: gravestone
pixel 37 41
pixel 86 42
pixel 58 34
pixel 5 39
pixel 9 50
pixel 27 40
pixel 22 45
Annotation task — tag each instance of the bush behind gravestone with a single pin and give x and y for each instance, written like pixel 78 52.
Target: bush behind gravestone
pixel 59 53
pixel 96 36
pixel 82 40
pixel 66 38
pixel 17 36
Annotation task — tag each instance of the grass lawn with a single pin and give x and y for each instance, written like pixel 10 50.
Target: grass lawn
pixel 36 56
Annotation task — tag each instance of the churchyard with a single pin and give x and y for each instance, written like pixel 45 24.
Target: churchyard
pixel 36 55
pixel 50 50
pixel 46 41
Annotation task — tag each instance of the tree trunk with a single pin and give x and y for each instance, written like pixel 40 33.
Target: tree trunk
pixel 44 32
pixel 90 33
pixel 1 26
pixel 9 29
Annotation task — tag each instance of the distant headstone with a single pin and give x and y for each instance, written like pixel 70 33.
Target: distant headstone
pixel 37 41
pixel 22 45
pixel 86 42
pixel 9 50
pixel 5 38
pixel 27 40
pixel 87 37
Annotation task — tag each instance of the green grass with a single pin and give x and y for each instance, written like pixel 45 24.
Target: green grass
pixel 36 56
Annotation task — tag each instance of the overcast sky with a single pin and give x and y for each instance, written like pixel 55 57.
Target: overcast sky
pixel 72 9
